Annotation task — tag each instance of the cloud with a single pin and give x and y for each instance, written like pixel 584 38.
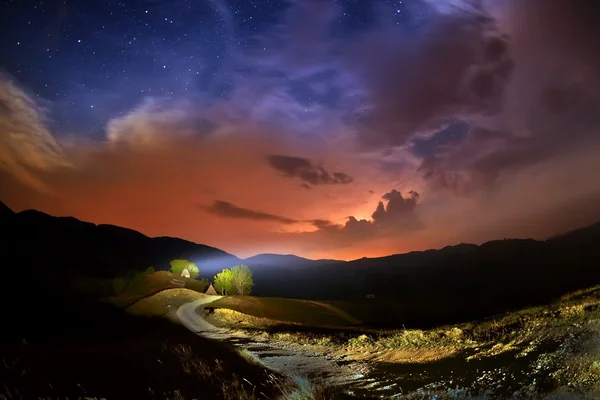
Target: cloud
pixel 26 145
pixel 523 103
pixel 156 122
pixel 396 217
pixel 228 210
pixel 457 63
pixel 155 161
pixel 397 207
pixel 306 170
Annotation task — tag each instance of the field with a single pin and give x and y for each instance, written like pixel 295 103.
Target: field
pixel 278 311
pixel 377 314
pixel 553 348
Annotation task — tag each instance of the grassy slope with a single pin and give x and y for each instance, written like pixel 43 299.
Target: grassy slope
pixel 556 345
pixel 287 311
pixel 59 344
pixel 149 285
pixel 110 354
pixel 163 303
pixel 572 309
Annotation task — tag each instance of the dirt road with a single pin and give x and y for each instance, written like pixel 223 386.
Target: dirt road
pixel 192 320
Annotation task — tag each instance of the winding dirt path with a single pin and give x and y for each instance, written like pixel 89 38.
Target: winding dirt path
pixel 191 319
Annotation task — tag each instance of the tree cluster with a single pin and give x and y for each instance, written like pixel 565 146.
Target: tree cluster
pixel 237 280
pixel 178 266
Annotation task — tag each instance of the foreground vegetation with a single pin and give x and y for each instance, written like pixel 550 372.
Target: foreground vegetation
pixel 545 349
pixel 64 342
pixel 100 351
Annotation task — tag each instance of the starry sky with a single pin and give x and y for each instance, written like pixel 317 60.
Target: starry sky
pixel 324 128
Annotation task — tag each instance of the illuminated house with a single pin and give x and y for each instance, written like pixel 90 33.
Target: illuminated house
pixel 185 273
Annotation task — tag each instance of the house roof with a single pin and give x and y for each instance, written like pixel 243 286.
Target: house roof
pixel 211 290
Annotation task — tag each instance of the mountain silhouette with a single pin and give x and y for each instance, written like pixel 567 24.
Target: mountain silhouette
pixel 285 261
pixel 41 243
pixel 452 283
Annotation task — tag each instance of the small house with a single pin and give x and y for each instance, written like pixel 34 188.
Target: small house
pixel 185 273
pixel 211 290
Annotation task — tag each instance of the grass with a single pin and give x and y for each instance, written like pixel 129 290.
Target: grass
pixel 64 350
pixel 63 342
pixel 163 303
pixel 96 350
pixel 148 285
pixel 269 311
pixel 526 328
pixel 557 346
pixel 303 389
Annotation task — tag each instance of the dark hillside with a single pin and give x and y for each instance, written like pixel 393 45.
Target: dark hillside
pixel 64 246
pixel 427 287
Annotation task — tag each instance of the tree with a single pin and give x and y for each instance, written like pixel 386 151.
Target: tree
pixel 198 285
pixel 223 282
pixel 242 279
pixel 177 267
pixel 204 284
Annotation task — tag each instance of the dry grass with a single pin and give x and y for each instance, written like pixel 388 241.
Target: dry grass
pixel 102 352
pixel 433 338
pixel 224 317
pixel 525 329
pixel 164 303
pixel 287 311
pixel 144 286
pixel 232 388
pixel 302 389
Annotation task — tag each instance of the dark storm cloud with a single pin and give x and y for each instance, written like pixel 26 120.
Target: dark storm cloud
pixel 524 102
pixel 306 170
pixel 228 210
pixel 395 217
pixel 397 210
pixel 453 65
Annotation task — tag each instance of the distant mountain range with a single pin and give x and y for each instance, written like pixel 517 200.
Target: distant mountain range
pixel 486 278
pixel 69 245
pixel 112 250
pixel 286 261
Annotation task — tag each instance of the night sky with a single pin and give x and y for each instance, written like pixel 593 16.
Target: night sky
pixel 324 128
